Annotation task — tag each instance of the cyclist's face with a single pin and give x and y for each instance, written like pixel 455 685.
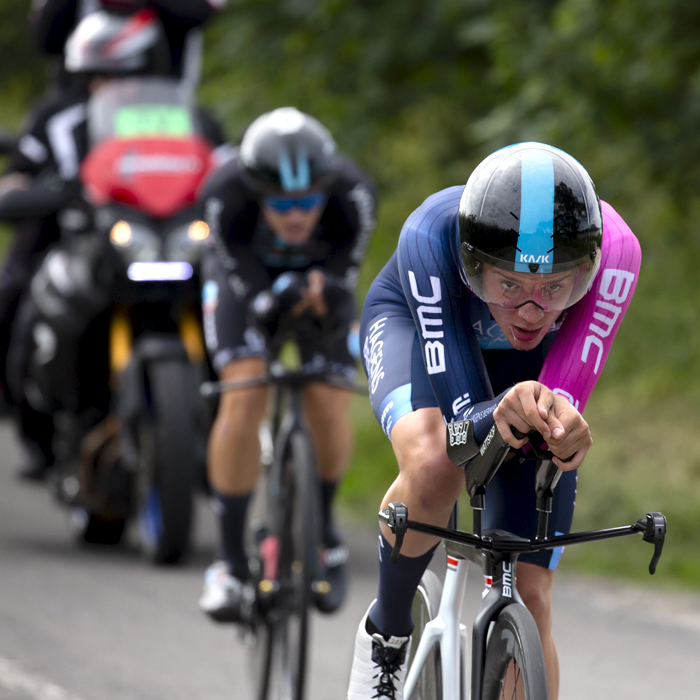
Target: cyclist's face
pixel 525 322
pixel 293 219
pixel 511 290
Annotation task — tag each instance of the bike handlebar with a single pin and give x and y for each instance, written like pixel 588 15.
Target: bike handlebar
pixel 281 376
pixel 480 465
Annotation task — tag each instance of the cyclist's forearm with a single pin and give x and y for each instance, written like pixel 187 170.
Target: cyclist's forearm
pixel 481 415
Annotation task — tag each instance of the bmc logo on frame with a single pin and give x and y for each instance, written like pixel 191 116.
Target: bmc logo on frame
pixel 507 579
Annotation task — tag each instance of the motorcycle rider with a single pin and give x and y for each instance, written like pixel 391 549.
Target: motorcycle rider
pixel 286 203
pixel 54 147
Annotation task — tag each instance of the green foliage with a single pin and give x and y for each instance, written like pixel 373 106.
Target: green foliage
pixel 23 71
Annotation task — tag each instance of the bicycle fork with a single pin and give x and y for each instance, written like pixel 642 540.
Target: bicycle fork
pixel 446 631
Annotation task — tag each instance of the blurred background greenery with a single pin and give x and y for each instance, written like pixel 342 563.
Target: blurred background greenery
pixel 418 93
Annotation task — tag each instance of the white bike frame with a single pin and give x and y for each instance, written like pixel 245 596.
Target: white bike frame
pixel 445 630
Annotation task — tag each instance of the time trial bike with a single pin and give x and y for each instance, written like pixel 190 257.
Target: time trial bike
pixel 507 660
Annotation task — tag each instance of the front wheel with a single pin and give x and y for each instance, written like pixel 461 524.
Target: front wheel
pixel 286 627
pixel 514 666
pixel 425 606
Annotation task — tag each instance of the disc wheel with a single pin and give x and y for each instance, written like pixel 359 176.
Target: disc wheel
pixel 284 633
pixel 514 668
pixel 425 606
pixel 167 444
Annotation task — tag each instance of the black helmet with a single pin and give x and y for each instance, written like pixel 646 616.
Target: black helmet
pixel 530 208
pixel 107 43
pixel 287 151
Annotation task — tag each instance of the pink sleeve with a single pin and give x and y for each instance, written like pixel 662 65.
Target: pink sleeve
pixel 577 356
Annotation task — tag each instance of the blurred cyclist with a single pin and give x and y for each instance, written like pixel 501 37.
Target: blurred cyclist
pixel 287 213
pixel 500 305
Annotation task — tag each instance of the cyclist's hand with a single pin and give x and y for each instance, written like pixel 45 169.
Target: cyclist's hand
pixel 576 440
pixel 532 405
pixel 312 296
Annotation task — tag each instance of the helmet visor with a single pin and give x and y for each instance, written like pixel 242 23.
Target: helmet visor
pixel 493 282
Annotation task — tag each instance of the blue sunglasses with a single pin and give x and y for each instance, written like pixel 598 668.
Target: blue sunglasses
pixel 285 204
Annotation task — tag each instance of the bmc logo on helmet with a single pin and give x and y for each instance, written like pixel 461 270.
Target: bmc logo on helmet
pixel 538 259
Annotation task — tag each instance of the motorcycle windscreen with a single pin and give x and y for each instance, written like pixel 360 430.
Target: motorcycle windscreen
pixel 157 176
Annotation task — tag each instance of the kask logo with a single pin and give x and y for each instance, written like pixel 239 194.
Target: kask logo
pixel 537 259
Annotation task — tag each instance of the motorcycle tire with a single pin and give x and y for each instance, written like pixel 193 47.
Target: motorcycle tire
pixel 169 437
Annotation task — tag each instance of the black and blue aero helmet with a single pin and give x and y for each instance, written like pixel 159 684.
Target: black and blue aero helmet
pixel 287 151
pixel 530 208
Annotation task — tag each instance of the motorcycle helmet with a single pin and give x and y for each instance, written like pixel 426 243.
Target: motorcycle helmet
pixel 531 228
pixel 287 151
pixel 114 44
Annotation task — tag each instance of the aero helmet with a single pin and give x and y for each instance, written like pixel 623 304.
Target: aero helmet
pixel 109 43
pixel 286 151
pixel 530 208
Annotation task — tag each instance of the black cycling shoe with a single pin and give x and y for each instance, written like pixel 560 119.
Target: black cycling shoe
pixel 329 589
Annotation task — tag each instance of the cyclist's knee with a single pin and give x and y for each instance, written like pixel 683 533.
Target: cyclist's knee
pixel 419 443
pixel 535 588
pixel 242 410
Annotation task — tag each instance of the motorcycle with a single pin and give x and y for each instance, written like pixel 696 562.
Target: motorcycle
pixel 123 284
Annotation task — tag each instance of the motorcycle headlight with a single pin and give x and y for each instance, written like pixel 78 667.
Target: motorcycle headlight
pixel 187 242
pixel 135 242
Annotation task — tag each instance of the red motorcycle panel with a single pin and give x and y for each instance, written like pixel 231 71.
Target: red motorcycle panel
pixel 157 176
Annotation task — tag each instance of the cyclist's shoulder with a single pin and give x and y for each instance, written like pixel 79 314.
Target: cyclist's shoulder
pixel 226 181
pixel 434 215
pixel 615 229
pixel 353 188
pixel 430 231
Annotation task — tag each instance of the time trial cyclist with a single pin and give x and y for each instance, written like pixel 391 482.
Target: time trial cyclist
pixel 500 305
pixel 290 214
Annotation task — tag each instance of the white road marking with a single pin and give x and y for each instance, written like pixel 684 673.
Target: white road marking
pixel 14 677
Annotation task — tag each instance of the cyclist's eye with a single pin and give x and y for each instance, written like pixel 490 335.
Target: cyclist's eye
pixel 553 288
pixel 508 286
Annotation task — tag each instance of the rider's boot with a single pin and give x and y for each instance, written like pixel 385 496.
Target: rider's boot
pixel 379 665
pixel 330 586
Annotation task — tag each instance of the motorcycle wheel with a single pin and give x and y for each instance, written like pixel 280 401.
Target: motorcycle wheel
pixel 169 457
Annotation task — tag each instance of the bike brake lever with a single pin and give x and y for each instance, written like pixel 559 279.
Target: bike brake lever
pixel 654 528
pixel 539 452
pixel 395 517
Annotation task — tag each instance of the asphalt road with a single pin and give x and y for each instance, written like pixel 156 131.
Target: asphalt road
pixel 102 624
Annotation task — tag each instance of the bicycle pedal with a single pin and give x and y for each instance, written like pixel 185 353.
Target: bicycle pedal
pixel 266 587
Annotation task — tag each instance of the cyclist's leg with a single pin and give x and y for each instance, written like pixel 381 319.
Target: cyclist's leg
pixel 535 585
pixel 405 406
pixel 510 505
pixel 428 483
pixel 237 353
pixel 327 410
